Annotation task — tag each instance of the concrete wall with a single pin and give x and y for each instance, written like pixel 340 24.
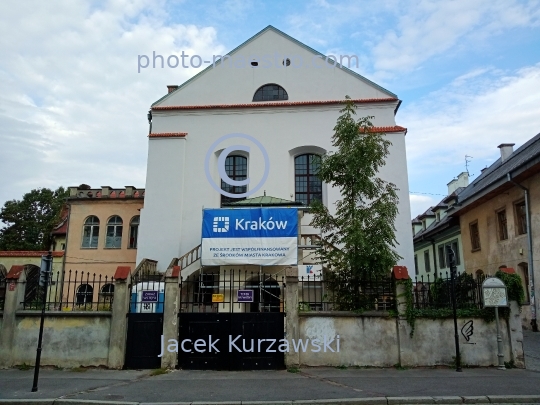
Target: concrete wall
pixel 70 340
pixel 381 341
pixel 364 340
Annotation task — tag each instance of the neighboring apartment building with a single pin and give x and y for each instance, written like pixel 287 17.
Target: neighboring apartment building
pixel 433 231
pixel 493 217
pixel 291 109
pixel 102 228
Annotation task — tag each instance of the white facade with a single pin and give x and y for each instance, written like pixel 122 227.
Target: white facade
pixel 176 185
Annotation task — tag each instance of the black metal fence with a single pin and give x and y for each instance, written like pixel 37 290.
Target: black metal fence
pixel 431 292
pixel 69 291
pixel 147 291
pixel 3 286
pixel 232 291
pixel 346 294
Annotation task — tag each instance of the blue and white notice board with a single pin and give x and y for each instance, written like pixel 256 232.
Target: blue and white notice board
pixel 260 236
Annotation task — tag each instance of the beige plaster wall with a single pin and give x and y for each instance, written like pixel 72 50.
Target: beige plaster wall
pixel 493 252
pixel 100 260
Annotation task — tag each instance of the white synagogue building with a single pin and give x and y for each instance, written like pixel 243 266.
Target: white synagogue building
pixel 284 95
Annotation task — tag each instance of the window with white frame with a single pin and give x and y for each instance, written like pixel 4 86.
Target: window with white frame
pixel 113 239
pixel 90 232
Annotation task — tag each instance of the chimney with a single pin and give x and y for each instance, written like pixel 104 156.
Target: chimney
pixel 130 190
pixel 506 150
pixel 461 181
pixel 171 88
pixel 73 191
pixel 105 191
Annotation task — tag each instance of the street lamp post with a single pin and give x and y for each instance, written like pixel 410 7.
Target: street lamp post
pixel 453 271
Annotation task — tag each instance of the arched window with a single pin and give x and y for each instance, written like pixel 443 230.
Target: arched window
pixel 270 92
pixel 85 294
pixel 236 169
pixel 113 239
pixel 106 294
pixel 33 293
pixel 308 187
pixel 134 232
pixel 90 232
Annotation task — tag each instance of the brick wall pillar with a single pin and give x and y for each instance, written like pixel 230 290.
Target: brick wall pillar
pixel 170 315
pixel 14 296
pixel 120 307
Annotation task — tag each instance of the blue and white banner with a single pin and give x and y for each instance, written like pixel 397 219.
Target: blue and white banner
pixel 261 236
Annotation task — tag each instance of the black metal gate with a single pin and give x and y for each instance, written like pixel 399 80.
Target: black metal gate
pixel 145 319
pixel 221 328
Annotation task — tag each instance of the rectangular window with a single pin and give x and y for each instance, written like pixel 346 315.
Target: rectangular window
pixel 501 222
pixel 442 257
pixel 416 265
pixel 475 236
pixel 90 236
pixel 521 218
pixel 455 248
pixel 426 261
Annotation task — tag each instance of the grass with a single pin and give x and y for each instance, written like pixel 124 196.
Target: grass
pixel 398 366
pixel 158 371
pixel 342 367
pixel 79 369
pixel 293 370
pixel 24 366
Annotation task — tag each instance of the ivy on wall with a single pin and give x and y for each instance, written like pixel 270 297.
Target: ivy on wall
pixel 514 289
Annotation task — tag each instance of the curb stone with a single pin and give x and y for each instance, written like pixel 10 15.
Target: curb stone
pixel 516 399
pixel 494 399
pixel 475 400
pixel 410 400
pixel 448 400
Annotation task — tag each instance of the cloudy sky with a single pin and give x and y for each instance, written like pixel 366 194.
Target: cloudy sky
pixel 73 106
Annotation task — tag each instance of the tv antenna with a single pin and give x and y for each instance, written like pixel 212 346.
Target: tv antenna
pixel 467 161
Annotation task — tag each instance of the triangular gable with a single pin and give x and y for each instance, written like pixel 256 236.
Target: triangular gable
pixel 288 37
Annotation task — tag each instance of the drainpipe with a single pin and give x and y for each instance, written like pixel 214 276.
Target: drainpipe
pixel 530 245
pixel 434 258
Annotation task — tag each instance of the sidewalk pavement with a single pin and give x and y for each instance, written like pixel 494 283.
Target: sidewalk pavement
pixel 307 384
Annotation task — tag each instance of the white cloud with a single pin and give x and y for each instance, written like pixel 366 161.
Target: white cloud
pixel 502 108
pixel 420 203
pixel 432 28
pixel 72 105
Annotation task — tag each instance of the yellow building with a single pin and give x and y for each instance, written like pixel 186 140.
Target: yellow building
pixel 499 215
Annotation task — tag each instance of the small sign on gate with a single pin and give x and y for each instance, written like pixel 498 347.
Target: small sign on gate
pixel 245 295
pixel 149 296
pixel 218 298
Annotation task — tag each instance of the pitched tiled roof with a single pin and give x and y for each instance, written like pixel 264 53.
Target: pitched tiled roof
pixel 498 171
pixel 265 201
pixel 168 135
pixel 272 104
pixel 28 253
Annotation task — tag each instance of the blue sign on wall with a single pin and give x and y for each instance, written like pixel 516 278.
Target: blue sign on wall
pixel 149 296
pixel 245 295
pixel 261 236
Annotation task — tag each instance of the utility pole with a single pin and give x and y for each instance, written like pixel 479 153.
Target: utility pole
pixel 44 275
pixel 453 274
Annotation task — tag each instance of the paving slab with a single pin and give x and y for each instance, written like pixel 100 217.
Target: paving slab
pixel 448 400
pixel 514 399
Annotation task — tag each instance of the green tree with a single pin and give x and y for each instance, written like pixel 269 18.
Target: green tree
pixel 28 222
pixel 359 239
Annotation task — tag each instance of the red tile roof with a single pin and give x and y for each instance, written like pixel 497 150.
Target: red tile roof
pixel 28 253
pixel 395 128
pixel 168 135
pixel 272 104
